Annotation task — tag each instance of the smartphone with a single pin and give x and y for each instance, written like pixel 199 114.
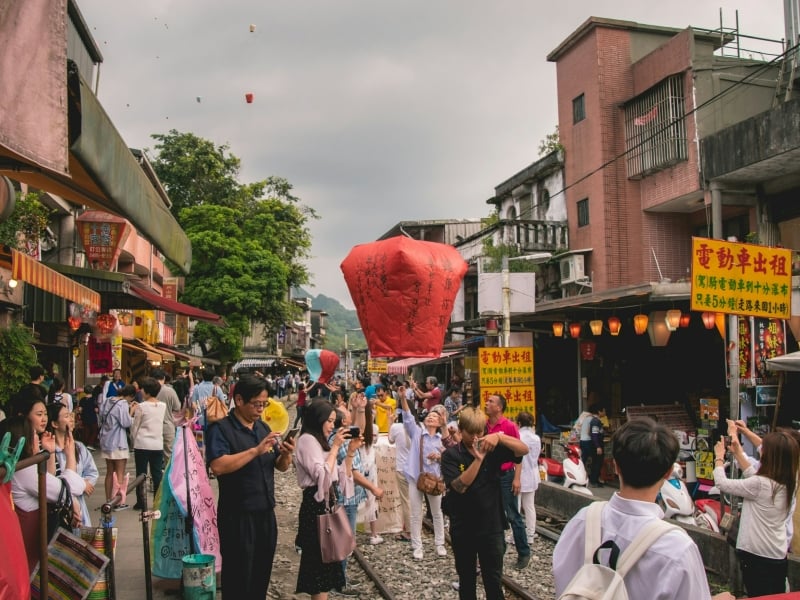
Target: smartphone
pixel 354 432
pixel 291 434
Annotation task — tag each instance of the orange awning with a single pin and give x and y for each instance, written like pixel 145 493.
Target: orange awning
pixel 31 271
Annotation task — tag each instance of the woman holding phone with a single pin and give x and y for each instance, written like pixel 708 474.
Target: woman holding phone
pixel 60 423
pixel 317 471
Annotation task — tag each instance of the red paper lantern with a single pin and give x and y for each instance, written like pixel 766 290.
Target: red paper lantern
pixel 106 323
pixel 575 330
pixel 686 318
pixel 403 291
pixel 74 323
pixel 709 319
pixel 614 325
pixel 587 350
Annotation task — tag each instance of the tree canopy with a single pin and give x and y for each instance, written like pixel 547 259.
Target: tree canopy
pixel 249 240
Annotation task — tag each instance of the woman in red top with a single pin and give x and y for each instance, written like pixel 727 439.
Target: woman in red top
pixel 300 405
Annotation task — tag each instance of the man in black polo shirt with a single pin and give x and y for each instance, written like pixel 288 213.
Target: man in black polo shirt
pixel 471 471
pixel 243 453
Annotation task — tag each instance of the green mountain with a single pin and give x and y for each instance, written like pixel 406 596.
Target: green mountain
pixel 338 321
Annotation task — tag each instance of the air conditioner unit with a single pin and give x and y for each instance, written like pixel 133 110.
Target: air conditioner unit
pixel 572 268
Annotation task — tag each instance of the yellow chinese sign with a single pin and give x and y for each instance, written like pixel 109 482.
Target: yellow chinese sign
pixel 378 365
pixel 742 279
pixel 509 372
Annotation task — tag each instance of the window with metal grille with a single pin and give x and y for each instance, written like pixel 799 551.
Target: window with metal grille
pixel 583 212
pixel 578 109
pixel 655 131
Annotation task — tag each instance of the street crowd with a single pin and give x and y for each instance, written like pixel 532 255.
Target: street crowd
pixel 469 467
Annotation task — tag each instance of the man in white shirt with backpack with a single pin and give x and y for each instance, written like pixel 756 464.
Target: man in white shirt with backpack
pixel 670 567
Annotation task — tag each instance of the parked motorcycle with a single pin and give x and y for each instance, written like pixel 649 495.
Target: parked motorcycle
pixel 678 505
pixel 570 472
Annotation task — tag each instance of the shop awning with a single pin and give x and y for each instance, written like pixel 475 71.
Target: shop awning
pixel 172 306
pixel 253 363
pixel 193 360
pixel 161 355
pixel 401 367
pixel 297 364
pixel 151 356
pixel 31 271
pixel 102 172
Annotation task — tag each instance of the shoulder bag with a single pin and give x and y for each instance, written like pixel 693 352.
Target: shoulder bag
pixel 428 483
pixel 215 408
pixel 59 514
pixel 336 539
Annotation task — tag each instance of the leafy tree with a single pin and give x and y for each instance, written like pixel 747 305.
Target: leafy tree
pixel 551 142
pixel 17 354
pixel 28 221
pixel 248 240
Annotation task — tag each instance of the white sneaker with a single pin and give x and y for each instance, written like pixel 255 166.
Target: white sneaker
pixel 455 585
pixel 418 554
pixel 440 551
pixel 375 540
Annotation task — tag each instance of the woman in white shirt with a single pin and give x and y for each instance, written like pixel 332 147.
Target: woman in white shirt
pixel 767 496
pixel 62 423
pixel 317 470
pixel 529 481
pixel 32 426
pixel 147 433
pixel 57 394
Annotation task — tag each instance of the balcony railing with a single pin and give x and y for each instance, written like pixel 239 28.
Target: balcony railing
pixel 536 236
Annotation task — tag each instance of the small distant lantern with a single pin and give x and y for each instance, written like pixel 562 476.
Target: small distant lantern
pixel 686 318
pixel 640 324
pixel 249 97
pixel 575 330
pixel 709 320
pixel 673 319
pixel 587 350
pixel 558 329
pixel 614 325
pixel 106 323
pixel 596 326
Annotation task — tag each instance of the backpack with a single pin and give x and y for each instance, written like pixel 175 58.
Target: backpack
pixel 595 581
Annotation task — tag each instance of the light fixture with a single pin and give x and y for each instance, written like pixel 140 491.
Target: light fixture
pixel 558 329
pixel 614 325
pixel 673 319
pixel 575 329
pixel 709 319
pixel 657 328
pixel 686 318
pixel 7 286
pixel 596 326
pixel 640 324
pixel 12 283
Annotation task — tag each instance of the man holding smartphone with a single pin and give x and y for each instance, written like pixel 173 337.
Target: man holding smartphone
pixel 243 453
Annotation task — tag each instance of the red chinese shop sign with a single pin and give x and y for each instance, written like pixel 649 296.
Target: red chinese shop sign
pixel 741 279
pixel 102 235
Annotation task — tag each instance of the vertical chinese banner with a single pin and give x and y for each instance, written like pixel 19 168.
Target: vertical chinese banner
pixel 509 372
pixel 769 341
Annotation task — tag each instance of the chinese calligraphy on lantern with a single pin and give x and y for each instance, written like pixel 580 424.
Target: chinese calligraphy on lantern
pixel 509 372
pixel 743 279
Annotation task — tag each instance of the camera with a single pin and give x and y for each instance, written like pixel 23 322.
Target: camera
pixel 354 432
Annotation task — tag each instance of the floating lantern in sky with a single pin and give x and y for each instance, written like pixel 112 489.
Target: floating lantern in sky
pixel 252 28
pixel 249 97
pixel 198 99
pixel 404 290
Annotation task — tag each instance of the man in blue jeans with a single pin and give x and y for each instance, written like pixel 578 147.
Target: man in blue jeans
pixel 509 477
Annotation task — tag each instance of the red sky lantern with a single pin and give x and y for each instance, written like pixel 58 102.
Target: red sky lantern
pixel 404 290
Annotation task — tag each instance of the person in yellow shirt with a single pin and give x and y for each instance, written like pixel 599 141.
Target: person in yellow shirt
pixel 385 406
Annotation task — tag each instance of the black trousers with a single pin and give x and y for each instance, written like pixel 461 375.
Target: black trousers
pixel 589 454
pixel 247 544
pixel 488 549
pixel 762 576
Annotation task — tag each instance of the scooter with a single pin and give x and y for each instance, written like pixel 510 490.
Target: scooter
pixel 678 504
pixel 570 472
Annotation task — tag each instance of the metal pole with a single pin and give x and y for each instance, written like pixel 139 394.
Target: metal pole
pixel 506 303
pixel 44 575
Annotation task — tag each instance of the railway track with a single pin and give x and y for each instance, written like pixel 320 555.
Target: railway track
pixel 396 580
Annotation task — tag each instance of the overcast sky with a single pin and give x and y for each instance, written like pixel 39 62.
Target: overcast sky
pixel 377 111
